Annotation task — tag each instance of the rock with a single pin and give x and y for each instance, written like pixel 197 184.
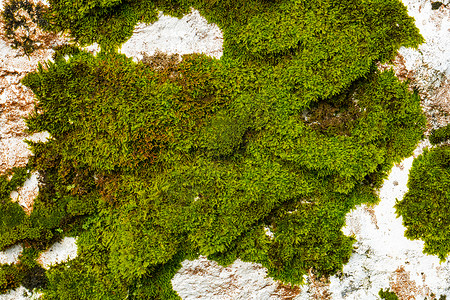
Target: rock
pixel 60 252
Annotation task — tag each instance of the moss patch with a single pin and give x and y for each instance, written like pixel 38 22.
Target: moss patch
pixel 162 160
pixel 440 135
pixel 424 207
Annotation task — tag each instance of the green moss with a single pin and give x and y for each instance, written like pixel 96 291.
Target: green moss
pixel 13 220
pixel 424 207
pixel 10 278
pixel 387 295
pixel 231 162
pixel 21 19
pixel 440 135
pixel 155 162
pixel 26 272
pixel 138 118
pixel 436 5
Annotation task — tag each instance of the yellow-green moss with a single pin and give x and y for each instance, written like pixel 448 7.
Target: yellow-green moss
pixel 154 163
pixel 424 208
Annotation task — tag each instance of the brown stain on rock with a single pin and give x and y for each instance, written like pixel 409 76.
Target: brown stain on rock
pixel 407 289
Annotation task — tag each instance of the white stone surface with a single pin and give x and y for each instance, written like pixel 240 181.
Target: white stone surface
pixel 204 279
pixel 430 64
pixel 14 152
pixel 434 26
pixel 59 252
pixel 11 255
pixel 21 293
pixel 26 194
pixel 190 34
pixel 381 249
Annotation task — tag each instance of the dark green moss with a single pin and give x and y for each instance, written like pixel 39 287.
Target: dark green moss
pixel 26 16
pixel 436 5
pixel 63 50
pixel 440 135
pixel 387 295
pixel 424 207
pixel 230 166
pixel 12 219
pixel 26 272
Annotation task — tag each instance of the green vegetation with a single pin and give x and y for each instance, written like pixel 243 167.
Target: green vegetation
pixel 434 297
pixel 107 22
pixel 387 295
pixel 27 273
pixel 40 229
pixel 436 5
pixel 440 135
pixel 424 208
pixel 21 19
pixel 155 162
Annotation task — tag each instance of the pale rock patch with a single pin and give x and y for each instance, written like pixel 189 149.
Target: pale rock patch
pixel 205 279
pixel 13 60
pixel 190 34
pixel 14 152
pixel 93 49
pixel 430 63
pixel 383 257
pixel 11 255
pixel 21 293
pixel 26 194
pixel 433 25
pixel 16 100
pixel 60 252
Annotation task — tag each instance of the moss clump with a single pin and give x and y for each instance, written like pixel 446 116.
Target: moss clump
pixel 150 111
pixel 308 50
pixel 231 160
pixel 22 18
pixel 55 206
pixel 155 162
pixel 424 207
pixel 440 135
pixel 26 273
pixel 12 219
pixel 387 295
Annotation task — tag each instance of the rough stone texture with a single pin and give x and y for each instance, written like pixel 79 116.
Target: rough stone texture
pixel 21 293
pixel 10 255
pixel 382 256
pixel 26 194
pixel 204 279
pixel 17 102
pixel 62 251
pixel 430 64
pixel 190 34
